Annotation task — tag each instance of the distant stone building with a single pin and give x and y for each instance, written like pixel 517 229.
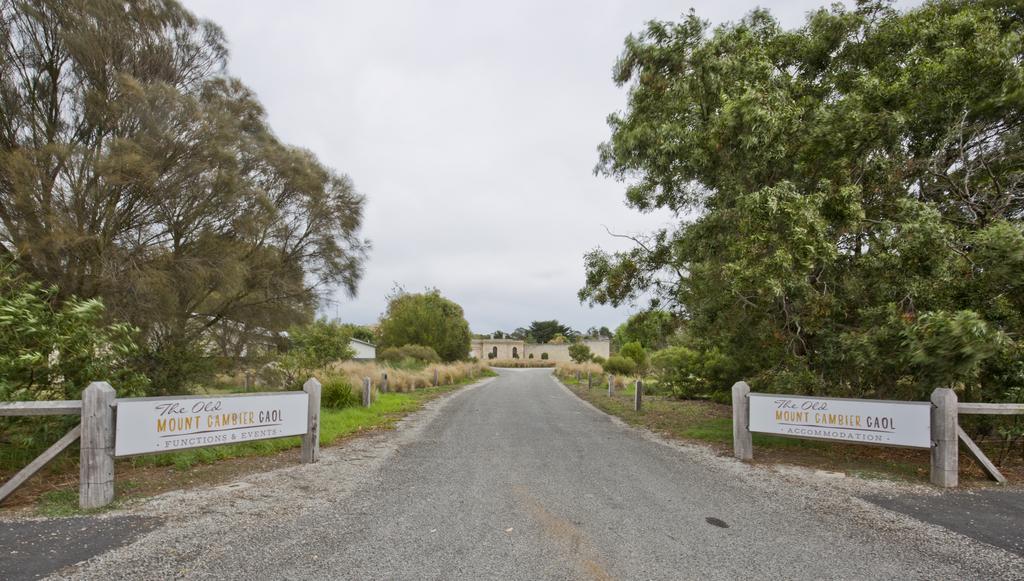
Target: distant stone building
pixel 516 349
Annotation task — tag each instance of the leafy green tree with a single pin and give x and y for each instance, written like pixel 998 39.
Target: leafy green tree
pixel 426 319
pixel 545 331
pixel 580 353
pixel 321 342
pixel 312 349
pixel 134 170
pixel 855 187
pixel 652 329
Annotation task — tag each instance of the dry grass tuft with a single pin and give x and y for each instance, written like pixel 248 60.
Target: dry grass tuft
pixel 404 380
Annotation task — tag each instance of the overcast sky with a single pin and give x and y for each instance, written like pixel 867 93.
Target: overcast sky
pixel 471 128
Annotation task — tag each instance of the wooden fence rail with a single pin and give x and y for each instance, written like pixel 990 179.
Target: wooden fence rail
pixel 41 408
pixel 97 434
pixel 1002 409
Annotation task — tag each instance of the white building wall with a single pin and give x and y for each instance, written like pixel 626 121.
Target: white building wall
pixel 363 350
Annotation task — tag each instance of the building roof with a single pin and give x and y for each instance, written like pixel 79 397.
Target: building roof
pixel 361 341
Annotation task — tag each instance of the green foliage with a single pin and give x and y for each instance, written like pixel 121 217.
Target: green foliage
pixel 53 350
pixel 360 332
pixel 635 352
pixel 857 187
pixel 544 355
pixel 546 331
pixel 690 372
pixel 426 319
pixel 418 353
pixel 580 353
pixel 619 365
pixel 312 348
pixel 321 343
pixel 652 329
pixel 598 359
pixel 336 393
pixel 136 171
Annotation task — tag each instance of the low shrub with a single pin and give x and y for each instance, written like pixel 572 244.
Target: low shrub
pixel 417 352
pixel 337 393
pixel 635 351
pixel 690 373
pixel 619 365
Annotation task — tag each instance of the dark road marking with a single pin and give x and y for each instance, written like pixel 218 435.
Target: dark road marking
pixel 717 522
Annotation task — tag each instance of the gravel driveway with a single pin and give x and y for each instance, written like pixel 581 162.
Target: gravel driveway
pixel 516 478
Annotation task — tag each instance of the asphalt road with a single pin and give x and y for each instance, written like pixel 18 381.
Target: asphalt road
pixel 519 479
pixel 32 549
pixel 993 516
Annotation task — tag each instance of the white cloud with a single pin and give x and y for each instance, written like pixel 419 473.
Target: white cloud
pixel 472 129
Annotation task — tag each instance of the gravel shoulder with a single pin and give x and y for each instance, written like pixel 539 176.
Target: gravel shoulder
pixel 517 478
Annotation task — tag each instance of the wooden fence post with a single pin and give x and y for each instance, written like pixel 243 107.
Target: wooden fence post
pixel 590 383
pixel 611 384
pixel 945 453
pixel 367 392
pixel 577 376
pixel 435 377
pixel 384 382
pixel 96 460
pixel 742 442
pixel 311 440
pixel 638 396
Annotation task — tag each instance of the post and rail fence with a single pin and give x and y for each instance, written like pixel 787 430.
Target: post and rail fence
pixel 932 425
pixel 101 423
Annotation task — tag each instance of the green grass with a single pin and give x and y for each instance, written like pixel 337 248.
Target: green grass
pixel 64 502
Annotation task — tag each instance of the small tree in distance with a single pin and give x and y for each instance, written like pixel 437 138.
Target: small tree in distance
pixel 580 353
pixel 428 319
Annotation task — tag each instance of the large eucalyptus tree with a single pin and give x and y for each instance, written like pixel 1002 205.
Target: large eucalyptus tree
pixel 134 169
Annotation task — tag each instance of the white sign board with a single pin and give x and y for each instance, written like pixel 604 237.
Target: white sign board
pixel 165 424
pixel 890 423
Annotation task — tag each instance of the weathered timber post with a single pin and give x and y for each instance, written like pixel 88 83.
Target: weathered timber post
pixel 638 397
pixel 384 382
pixel 96 459
pixel 611 384
pixel 435 377
pixel 367 392
pixel 590 383
pixel 311 439
pixel 945 453
pixel 742 442
pixel 577 376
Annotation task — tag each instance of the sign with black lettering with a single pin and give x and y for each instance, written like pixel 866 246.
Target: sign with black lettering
pixel 890 423
pixel 165 424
